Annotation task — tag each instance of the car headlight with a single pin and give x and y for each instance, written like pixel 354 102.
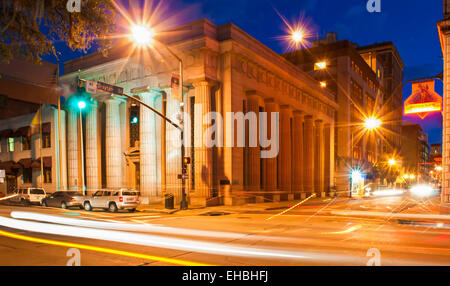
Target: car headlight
pixel 422 191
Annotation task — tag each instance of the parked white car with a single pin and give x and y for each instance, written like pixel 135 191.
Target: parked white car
pixel 113 200
pixel 29 196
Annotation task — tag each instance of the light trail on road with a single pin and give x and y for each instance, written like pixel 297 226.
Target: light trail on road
pixel 149 240
pixel 123 226
pixel 101 249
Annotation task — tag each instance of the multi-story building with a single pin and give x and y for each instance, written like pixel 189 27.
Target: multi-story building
pixel 225 71
pixel 387 55
pixel 26 159
pixel 359 93
pixel 444 37
pixel 415 149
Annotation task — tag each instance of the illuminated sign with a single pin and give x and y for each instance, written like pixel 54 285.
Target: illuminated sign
pixel 423 100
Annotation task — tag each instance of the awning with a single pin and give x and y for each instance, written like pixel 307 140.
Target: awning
pixel 47 163
pixel 23 132
pixel 26 163
pixel 6 133
pixel 7 166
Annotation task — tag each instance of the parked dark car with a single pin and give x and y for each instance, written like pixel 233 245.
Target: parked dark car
pixel 64 200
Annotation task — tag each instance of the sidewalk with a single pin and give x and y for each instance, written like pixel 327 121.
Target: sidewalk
pixel 431 209
pixel 247 208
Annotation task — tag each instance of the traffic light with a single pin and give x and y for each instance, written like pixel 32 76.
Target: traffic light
pixel 187 160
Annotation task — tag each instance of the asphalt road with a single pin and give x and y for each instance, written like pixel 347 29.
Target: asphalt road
pixel 307 235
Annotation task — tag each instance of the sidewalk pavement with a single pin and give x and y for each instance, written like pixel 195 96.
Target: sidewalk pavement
pixel 430 209
pixel 247 208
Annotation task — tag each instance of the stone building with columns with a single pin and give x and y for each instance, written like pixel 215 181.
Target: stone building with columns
pixel 225 70
pixel 359 93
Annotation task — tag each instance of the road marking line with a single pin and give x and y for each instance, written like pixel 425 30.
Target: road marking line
pixel 102 249
pixel 349 230
pixel 291 208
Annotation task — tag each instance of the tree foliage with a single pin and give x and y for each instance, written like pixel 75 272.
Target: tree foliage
pixel 31 27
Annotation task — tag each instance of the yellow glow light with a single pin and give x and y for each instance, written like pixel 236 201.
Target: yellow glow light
pixel 438 168
pixel 392 162
pixel 412 176
pixel 323 84
pixel 142 35
pixel 406 176
pixel 320 66
pixel 297 36
pixel 372 123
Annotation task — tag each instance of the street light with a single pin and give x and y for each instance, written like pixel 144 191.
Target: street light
pixel 297 36
pixel 143 35
pixel 82 105
pixel 392 162
pixel 372 123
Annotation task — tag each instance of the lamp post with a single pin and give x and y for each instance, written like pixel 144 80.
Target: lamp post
pixel 144 36
pixel 81 106
pixel 370 124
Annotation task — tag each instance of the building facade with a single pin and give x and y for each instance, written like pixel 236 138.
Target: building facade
pixel 359 94
pixel 26 90
pixel 415 150
pixel 226 71
pixel 444 37
pixel 387 55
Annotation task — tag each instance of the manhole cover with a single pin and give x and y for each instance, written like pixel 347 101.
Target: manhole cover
pixel 215 214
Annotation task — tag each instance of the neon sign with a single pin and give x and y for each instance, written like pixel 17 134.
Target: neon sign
pixel 423 100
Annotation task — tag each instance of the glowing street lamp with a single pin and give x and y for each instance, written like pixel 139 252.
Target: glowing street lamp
pixel 142 35
pixel 297 37
pixel 372 123
pixel 392 162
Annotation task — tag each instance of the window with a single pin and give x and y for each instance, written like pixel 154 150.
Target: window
pixel 47 175
pixel 26 143
pixel 27 176
pixel 37 192
pixel 10 144
pixel 320 66
pixel 98 194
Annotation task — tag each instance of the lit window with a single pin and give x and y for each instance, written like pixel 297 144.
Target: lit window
pixel 10 144
pixel 320 66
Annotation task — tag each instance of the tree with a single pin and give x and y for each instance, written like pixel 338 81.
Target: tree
pixel 31 27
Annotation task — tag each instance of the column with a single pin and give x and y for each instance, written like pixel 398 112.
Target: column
pixel 329 149
pixel 297 152
pixel 203 155
pixel 72 149
pixel 254 153
pixel 113 144
pixel 148 152
pixel 271 168
pixel 92 149
pixel 285 155
pixel 319 159
pixel 308 153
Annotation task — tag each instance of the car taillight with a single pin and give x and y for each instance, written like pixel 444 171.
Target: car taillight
pixel 72 199
pixel 121 199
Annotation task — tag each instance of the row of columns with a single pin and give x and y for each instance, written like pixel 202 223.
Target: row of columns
pixel 306 153
pixel 113 146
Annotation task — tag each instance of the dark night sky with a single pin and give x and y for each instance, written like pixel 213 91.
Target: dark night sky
pixel 410 24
